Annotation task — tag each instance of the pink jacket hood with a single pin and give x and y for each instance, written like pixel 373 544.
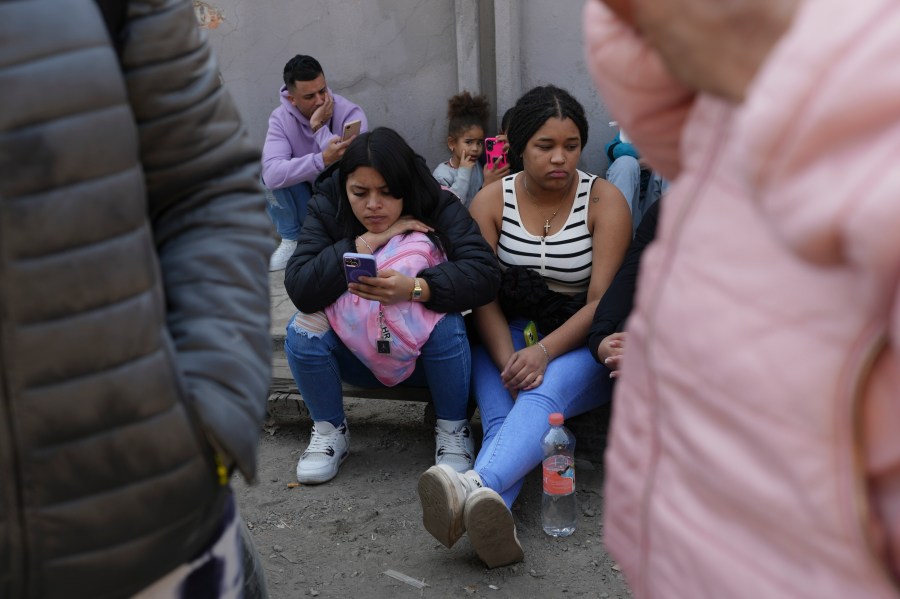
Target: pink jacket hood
pixel 755 449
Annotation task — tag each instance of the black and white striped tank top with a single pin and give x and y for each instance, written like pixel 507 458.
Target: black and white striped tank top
pixel 564 258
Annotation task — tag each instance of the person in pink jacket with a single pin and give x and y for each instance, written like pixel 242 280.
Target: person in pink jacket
pixel 755 444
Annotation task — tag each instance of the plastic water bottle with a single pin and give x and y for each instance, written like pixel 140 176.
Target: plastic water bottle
pixel 558 505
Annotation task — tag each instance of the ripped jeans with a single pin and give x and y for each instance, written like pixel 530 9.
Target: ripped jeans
pixel 319 362
pixel 573 384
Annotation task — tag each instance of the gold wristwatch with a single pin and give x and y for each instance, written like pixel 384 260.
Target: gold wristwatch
pixel 416 293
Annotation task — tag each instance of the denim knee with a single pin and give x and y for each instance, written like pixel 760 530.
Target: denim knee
pixel 307 336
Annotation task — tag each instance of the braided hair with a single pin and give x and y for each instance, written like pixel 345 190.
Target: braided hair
pixel 533 109
pixel 464 111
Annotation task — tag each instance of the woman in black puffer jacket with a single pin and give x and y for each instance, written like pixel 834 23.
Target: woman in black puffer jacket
pixel 382 189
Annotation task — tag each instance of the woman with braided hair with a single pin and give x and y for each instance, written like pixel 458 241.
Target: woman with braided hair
pixel 571 229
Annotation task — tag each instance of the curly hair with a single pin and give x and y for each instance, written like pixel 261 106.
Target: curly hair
pixel 533 109
pixel 465 110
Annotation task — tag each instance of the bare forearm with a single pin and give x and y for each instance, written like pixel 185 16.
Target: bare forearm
pixel 572 333
pixel 494 332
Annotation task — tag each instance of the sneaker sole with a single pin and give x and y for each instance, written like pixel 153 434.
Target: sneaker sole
pixel 492 530
pixel 442 509
pixel 318 479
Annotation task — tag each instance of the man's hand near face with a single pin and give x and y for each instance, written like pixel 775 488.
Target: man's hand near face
pixel 323 113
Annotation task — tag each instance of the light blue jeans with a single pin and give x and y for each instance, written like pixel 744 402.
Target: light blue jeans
pixel 625 174
pixel 573 384
pixel 320 361
pixel 288 210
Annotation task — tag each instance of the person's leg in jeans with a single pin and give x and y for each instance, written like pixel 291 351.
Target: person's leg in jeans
pixel 318 360
pixel 655 189
pixel 573 384
pixel 625 174
pixel 445 365
pixel 287 209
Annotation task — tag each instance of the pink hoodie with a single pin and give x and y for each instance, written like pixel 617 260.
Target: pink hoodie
pixel 755 445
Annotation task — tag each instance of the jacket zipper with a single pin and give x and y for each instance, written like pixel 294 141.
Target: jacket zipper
pixel 860 487
pixel 404 340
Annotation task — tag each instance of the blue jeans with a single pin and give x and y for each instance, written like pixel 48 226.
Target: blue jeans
pixel 573 384
pixel 320 361
pixel 625 174
pixel 288 211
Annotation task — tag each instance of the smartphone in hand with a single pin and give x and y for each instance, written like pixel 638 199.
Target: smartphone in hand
pixel 359 265
pixel 350 129
pixel 495 149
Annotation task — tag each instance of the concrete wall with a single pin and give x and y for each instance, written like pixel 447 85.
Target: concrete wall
pixel 401 59
pixel 552 52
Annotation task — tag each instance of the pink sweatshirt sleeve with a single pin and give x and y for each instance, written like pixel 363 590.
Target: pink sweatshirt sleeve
pixel 650 105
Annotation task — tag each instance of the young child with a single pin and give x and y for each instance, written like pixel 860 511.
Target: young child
pixel 462 174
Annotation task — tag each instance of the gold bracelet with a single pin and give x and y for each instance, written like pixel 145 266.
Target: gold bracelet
pixel 365 243
pixel 546 353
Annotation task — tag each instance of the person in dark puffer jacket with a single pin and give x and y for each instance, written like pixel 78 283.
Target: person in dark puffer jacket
pixel 380 191
pixel 134 311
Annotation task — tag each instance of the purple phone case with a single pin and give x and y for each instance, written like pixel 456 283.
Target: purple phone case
pixel 357 265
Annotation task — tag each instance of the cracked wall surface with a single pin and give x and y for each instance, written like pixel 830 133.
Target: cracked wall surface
pixel 395 58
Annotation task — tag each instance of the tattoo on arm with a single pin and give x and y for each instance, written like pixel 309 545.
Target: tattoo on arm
pixel 595 199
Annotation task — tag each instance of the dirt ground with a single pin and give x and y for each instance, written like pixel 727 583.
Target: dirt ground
pixel 339 539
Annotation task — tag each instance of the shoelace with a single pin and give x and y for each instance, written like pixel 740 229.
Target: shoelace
pixel 451 442
pixel 320 442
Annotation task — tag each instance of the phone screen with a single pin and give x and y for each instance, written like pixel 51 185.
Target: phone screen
pixel 359 265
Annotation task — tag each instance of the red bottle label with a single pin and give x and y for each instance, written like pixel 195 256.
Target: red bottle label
pixel 559 475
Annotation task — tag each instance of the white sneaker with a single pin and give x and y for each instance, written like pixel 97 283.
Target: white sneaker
pixel 280 256
pixel 492 530
pixel 443 493
pixel 328 448
pixel 454 445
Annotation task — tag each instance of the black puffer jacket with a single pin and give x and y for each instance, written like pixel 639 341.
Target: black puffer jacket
pixel 314 277
pixel 133 295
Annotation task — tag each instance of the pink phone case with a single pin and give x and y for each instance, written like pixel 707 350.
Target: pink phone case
pixel 496 152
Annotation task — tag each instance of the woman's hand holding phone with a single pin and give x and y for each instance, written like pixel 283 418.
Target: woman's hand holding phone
pixel 494 174
pixel 389 287
pixel 497 166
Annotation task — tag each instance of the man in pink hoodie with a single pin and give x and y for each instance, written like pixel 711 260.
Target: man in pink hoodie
pixel 304 137
pixel 755 443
